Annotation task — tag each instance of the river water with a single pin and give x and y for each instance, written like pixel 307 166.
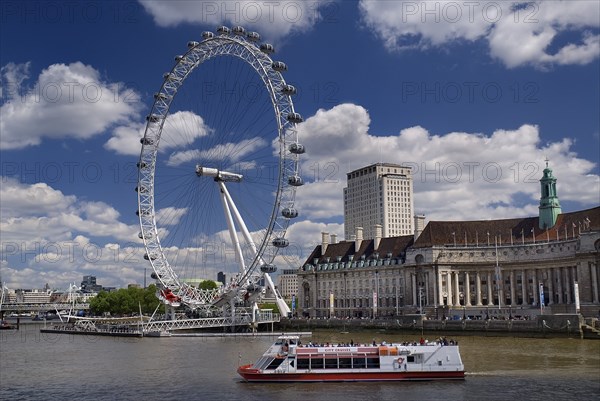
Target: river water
pixel 38 366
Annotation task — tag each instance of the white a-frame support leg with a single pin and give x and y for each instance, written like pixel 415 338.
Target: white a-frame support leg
pixel 281 304
pixel 231 226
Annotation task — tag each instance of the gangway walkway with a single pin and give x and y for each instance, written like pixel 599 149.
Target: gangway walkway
pixel 262 317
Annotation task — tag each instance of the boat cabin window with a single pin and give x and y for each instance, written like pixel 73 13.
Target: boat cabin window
pixel 262 362
pixel 303 363
pixel 410 358
pixel 345 363
pixel 275 363
pixel 331 363
pixel 337 363
pixel 316 363
pixel 372 363
pixel 358 363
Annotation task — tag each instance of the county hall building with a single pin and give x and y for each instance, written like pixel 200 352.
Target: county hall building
pixel 520 267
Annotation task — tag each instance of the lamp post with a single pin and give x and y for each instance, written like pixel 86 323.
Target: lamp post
pixel 376 298
pixel 396 298
pixel 346 306
pixel 462 301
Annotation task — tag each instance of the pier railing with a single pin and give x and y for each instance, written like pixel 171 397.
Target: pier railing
pixel 210 322
pixel 29 307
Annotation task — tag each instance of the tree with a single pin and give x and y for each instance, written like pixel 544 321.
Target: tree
pixel 207 285
pixel 126 301
pixel 100 304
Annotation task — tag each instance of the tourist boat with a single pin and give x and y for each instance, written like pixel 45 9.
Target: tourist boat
pixel 288 360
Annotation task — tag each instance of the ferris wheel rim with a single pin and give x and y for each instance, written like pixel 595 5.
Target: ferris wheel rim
pixel 246 49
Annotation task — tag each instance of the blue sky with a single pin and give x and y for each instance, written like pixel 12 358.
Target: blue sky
pixel 473 95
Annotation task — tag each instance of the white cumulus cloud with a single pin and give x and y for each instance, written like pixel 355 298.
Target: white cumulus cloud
pixel 457 175
pixel 179 129
pixel 65 101
pixel 38 212
pixel 51 237
pixel 517 33
pixel 272 19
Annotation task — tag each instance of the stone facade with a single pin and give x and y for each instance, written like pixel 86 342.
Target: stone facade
pixel 473 268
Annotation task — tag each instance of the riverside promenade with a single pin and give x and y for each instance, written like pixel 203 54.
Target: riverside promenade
pixel 545 326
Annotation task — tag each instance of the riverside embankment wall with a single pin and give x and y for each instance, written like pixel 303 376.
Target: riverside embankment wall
pixel 564 325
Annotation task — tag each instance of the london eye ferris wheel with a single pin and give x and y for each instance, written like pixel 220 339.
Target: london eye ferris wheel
pixel 218 171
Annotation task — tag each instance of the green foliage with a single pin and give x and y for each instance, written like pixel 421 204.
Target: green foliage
pixel 269 306
pixel 273 306
pixel 207 285
pixel 125 301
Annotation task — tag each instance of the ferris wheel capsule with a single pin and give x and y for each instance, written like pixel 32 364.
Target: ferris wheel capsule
pixel 267 48
pixel 279 66
pixel 207 35
pixel 295 181
pixel 295 118
pixel 253 36
pixel 268 268
pixel 280 242
pixel 146 141
pixel 223 30
pixel 192 43
pixel 153 118
pixel 160 96
pixel 239 30
pixel 289 212
pixel 288 90
pixel 254 288
pixel 142 236
pixel 297 148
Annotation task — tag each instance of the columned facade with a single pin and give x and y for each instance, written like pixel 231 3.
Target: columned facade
pixel 451 279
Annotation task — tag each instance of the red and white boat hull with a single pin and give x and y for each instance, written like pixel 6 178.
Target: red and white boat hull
pixel 253 375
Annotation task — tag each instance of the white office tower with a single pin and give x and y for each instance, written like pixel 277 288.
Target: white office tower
pixel 381 193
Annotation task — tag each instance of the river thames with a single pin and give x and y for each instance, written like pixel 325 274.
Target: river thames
pixel 37 366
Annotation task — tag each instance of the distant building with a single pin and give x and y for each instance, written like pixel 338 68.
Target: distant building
pixel 379 194
pixel 287 283
pixel 34 296
pixel 222 278
pixel 88 284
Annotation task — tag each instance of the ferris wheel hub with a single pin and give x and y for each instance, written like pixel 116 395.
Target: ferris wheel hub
pixel 217 174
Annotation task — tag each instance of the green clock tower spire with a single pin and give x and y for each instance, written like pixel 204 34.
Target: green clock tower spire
pixel 549 205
